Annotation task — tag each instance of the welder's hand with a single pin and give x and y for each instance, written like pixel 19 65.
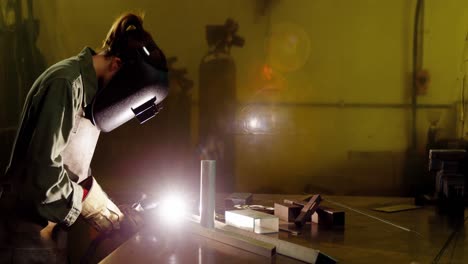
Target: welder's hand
pixel 100 211
pixel 132 219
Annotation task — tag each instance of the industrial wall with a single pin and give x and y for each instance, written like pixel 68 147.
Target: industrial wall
pixel 330 81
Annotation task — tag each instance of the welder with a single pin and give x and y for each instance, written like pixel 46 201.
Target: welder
pixel 48 183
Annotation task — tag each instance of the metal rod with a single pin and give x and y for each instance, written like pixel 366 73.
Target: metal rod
pixel 233 239
pixel 371 216
pixel 207 193
pixel 283 247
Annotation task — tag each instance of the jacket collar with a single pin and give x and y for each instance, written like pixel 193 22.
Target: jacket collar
pixel 88 75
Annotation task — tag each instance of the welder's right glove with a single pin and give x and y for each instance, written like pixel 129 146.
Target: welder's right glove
pixel 99 210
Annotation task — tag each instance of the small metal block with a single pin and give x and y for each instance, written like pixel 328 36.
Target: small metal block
pixel 287 212
pixel 253 221
pixel 238 199
pixel 329 217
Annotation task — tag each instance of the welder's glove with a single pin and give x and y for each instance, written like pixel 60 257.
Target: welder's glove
pixel 100 211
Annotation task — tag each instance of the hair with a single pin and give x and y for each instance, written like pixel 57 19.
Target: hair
pixel 127 34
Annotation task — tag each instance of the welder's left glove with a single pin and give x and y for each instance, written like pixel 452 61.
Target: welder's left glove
pixel 99 210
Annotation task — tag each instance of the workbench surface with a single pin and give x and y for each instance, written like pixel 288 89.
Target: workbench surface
pixel 362 240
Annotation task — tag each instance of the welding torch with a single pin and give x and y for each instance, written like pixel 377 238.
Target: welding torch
pixel 145 204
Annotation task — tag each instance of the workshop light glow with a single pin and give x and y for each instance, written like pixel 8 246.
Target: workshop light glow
pixel 254 123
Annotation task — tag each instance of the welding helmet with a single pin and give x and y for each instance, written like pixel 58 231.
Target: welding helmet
pixel 136 90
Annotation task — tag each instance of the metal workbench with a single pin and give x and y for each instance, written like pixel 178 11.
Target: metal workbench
pixel 362 240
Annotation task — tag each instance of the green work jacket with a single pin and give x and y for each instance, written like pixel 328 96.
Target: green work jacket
pixel 36 170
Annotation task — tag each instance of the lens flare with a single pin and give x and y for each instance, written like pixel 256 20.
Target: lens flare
pixel 288 47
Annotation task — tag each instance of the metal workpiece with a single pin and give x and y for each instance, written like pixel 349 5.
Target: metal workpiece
pixel 329 217
pixel 237 199
pixel 308 210
pixel 207 193
pixel 253 221
pixel 287 211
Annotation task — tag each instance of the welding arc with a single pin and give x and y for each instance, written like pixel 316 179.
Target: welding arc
pixel 371 216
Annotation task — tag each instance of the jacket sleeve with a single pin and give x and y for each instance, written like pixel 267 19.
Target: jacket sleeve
pixel 54 195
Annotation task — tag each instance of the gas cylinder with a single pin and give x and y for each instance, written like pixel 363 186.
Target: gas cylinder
pixel 217 97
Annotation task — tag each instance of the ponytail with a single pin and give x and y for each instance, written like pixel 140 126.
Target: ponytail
pixel 127 34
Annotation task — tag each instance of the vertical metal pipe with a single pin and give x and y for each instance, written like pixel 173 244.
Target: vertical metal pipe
pixel 418 39
pixel 207 193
